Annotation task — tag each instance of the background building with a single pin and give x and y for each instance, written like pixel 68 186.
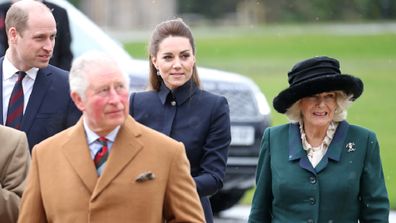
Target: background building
pixel 144 14
pixel 128 14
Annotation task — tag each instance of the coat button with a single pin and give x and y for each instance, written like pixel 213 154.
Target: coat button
pixel 312 180
pixel 173 103
pixel 312 200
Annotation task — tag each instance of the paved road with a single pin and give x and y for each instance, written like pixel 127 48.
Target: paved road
pixel 237 214
pixel 240 214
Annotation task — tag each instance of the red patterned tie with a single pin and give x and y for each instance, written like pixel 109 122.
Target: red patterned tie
pixel 101 155
pixel 15 105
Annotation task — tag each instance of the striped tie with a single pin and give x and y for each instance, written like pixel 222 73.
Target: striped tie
pixel 101 155
pixel 15 105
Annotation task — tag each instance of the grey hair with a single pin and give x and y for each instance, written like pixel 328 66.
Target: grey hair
pixel 343 102
pixel 87 62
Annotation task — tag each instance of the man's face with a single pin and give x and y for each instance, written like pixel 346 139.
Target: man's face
pixel 106 102
pixel 34 46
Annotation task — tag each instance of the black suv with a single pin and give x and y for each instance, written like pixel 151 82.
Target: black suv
pixel 250 115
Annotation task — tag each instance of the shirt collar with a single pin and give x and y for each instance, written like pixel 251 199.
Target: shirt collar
pixel 326 141
pixel 92 136
pixel 163 93
pixel 181 94
pixel 9 70
pixel 296 150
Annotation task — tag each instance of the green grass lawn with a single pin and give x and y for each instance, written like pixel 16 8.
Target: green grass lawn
pixel 267 53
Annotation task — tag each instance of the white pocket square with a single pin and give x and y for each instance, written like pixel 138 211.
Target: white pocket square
pixel 145 177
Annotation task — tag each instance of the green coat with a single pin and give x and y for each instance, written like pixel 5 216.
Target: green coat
pixel 346 186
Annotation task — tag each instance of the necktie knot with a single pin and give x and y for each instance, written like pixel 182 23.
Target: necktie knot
pixel 21 75
pixel 102 140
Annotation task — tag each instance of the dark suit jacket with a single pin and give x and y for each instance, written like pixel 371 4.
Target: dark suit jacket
pixel 201 121
pixel 346 186
pixel 62 55
pixel 50 108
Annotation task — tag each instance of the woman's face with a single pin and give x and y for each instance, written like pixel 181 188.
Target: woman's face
pixel 175 61
pixel 318 110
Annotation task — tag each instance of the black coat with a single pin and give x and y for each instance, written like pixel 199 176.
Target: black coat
pixel 197 118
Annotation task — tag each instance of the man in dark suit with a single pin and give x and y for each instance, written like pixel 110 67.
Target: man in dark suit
pixel 47 106
pixel 62 55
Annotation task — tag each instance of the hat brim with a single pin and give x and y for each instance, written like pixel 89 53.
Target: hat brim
pixel 347 83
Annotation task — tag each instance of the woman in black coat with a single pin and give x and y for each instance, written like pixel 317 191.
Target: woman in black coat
pixel 177 107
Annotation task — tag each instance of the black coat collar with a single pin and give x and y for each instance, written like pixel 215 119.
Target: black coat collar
pixel 180 94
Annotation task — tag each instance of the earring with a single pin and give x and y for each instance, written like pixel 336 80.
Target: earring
pixel 158 73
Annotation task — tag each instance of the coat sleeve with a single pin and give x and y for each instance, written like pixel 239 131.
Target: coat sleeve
pixel 13 177
pixel 262 199
pixel 32 209
pixel 182 203
pixel 215 150
pixel 373 194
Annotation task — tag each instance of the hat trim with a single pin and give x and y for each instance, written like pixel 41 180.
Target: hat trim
pixel 347 83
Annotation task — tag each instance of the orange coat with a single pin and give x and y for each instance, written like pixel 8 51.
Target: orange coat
pixel 63 186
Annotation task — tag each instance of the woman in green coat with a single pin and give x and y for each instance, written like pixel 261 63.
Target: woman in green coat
pixel 319 168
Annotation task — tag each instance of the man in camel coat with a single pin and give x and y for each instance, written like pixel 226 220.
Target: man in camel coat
pixel 146 177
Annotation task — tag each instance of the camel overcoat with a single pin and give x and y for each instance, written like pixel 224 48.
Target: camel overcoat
pixel 14 166
pixel 146 179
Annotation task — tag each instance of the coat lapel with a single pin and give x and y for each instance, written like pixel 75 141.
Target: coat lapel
pixel 77 153
pixel 296 151
pixel 1 91
pixel 40 87
pixel 124 149
pixel 336 146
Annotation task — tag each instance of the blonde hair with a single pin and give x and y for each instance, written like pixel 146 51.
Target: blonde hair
pixel 343 102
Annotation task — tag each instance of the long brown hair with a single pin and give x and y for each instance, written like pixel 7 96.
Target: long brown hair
pixel 173 27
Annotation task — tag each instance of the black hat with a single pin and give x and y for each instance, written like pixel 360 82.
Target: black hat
pixel 313 76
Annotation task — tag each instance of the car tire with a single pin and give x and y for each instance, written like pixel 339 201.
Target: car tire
pixel 224 200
